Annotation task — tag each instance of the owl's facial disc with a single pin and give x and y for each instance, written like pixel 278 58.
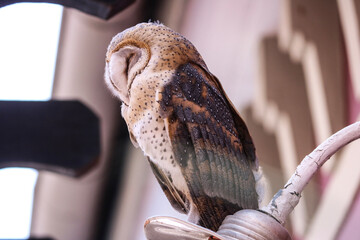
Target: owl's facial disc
pixel 123 65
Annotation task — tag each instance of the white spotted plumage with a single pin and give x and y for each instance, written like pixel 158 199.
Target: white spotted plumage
pixel 141 113
pixel 146 125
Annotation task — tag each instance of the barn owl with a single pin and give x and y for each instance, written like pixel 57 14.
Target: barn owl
pixel 177 112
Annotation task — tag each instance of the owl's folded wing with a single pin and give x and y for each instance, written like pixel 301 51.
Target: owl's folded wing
pixel 211 144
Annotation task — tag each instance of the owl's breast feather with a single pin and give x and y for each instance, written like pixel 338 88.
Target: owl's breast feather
pixel 151 136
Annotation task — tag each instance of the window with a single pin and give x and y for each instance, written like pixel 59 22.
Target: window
pixel 28 46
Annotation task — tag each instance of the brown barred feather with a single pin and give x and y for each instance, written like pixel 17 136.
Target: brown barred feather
pixel 216 162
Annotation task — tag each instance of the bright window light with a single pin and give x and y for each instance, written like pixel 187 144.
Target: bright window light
pixel 16 190
pixel 28 46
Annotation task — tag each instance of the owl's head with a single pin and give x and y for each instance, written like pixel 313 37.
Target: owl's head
pixel 147 46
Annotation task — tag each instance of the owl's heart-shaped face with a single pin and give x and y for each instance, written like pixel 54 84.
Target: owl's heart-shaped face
pixel 124 63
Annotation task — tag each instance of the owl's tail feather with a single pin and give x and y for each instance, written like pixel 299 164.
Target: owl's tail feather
pixel 214 210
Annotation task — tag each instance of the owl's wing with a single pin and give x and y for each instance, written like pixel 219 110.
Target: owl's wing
pixel 175 197
pixel 210 142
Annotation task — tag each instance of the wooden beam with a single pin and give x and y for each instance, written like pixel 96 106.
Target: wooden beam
pixel 285 90
pixel 316 92
pixel 283 109
pixel 310 32
pixel 350 22
pixel 58 136
pixel 104 9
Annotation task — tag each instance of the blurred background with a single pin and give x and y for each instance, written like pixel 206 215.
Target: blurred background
pixel 289 66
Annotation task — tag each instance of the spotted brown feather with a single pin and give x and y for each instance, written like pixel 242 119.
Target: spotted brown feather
pixel 216 164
